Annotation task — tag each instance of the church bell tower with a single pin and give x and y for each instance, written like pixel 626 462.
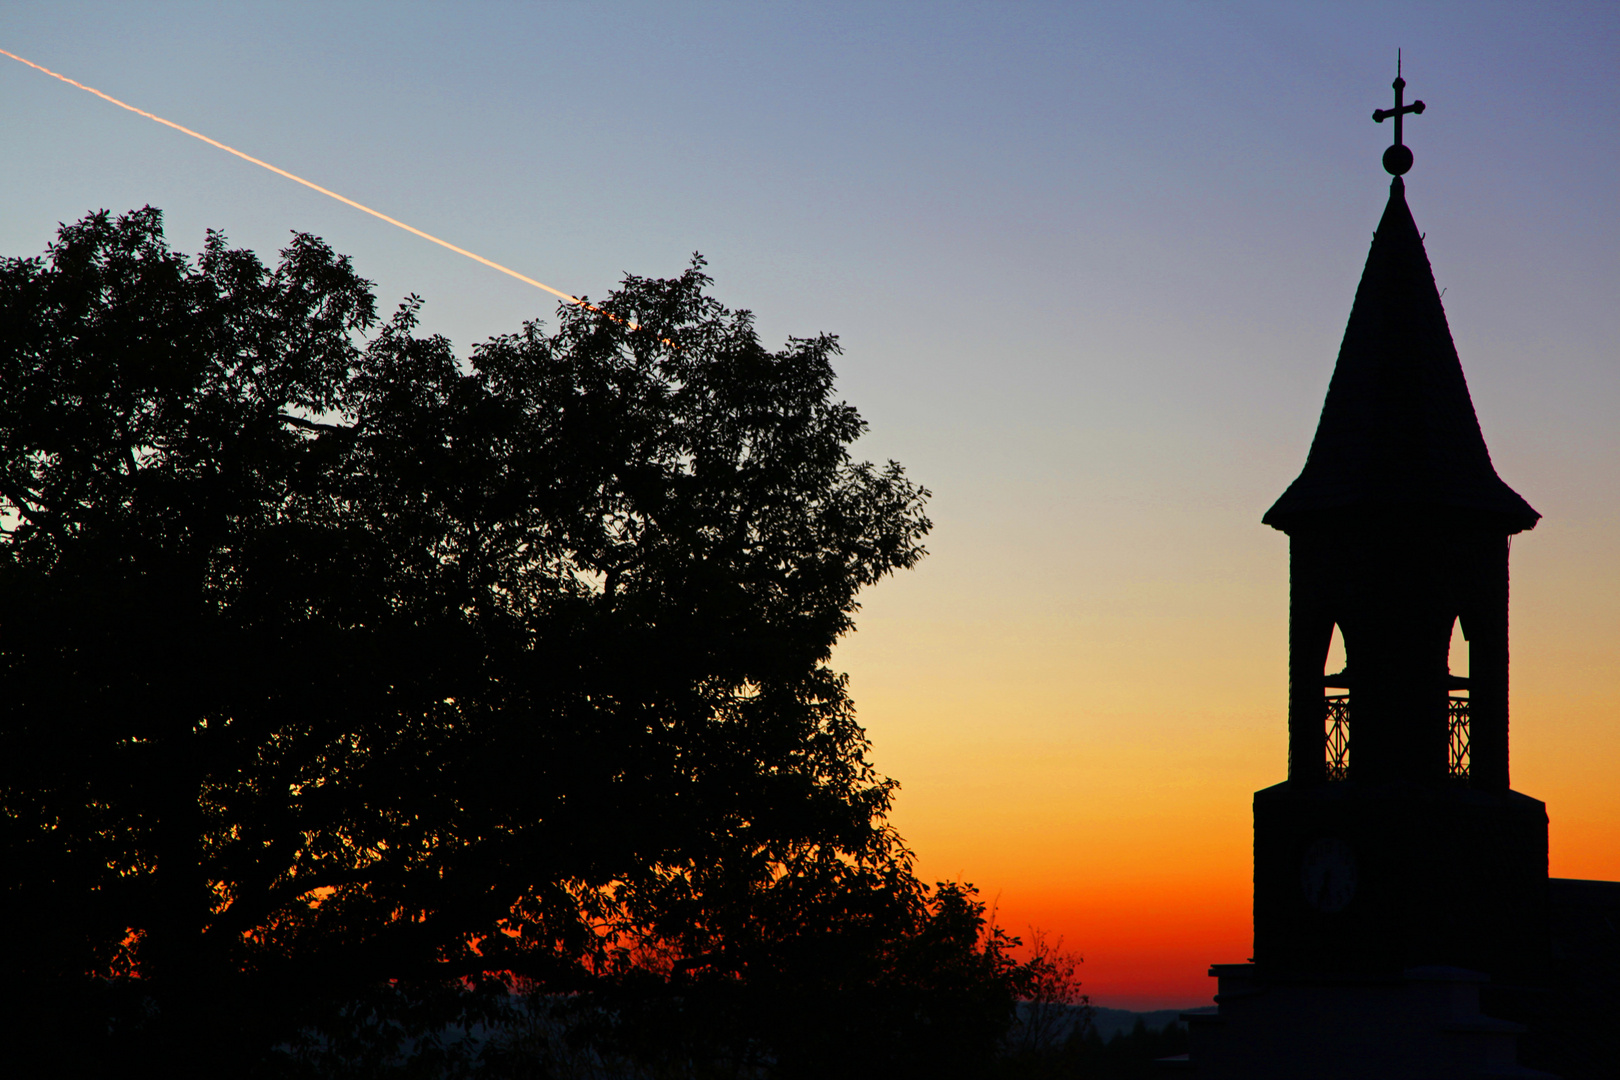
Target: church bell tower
pixel 1396 841
pixel 1404 922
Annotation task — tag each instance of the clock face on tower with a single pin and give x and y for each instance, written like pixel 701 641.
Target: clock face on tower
pixel 1328 874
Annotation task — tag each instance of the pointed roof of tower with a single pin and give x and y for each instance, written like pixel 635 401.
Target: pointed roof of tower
pixel 1398 434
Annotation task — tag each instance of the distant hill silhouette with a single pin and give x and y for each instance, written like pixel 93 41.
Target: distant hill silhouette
pixel 1111 1022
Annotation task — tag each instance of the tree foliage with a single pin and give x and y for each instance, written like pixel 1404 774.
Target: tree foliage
pixel 330 661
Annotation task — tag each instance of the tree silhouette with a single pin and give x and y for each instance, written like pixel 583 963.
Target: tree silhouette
pixel 330 662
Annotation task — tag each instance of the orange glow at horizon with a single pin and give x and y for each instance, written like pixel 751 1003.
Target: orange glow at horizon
pixel 1085 749
pixel 307 183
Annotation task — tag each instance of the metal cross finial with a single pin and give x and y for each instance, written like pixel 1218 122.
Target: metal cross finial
pixel 1397 159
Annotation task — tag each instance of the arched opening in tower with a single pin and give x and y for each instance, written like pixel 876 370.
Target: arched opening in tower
pixel 1336 706
pixel 1336 658
pixel 1457 658
pixel 1459 749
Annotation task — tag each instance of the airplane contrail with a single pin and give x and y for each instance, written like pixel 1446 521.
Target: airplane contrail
pixel 313 186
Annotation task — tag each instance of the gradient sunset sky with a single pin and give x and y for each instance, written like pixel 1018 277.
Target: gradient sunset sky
pixel 1090 265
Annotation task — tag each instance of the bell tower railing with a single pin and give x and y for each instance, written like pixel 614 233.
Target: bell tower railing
pixel 1457 743
pixel 1338 736
pixel 1336 730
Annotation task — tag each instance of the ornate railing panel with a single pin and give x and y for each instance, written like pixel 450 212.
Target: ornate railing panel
pixel 1457 749
pixel 1337 717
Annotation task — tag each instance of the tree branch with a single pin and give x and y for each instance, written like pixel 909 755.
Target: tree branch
pixel 313 425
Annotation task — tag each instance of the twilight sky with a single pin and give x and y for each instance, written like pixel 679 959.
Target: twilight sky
pixel 1090 266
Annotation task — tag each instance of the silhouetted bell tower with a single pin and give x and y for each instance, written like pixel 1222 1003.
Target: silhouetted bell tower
pixel 1396 841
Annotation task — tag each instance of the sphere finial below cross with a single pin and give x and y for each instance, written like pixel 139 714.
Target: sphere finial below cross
pixel 1398 158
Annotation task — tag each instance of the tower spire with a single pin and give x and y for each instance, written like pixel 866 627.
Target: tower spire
pixel 1398 436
